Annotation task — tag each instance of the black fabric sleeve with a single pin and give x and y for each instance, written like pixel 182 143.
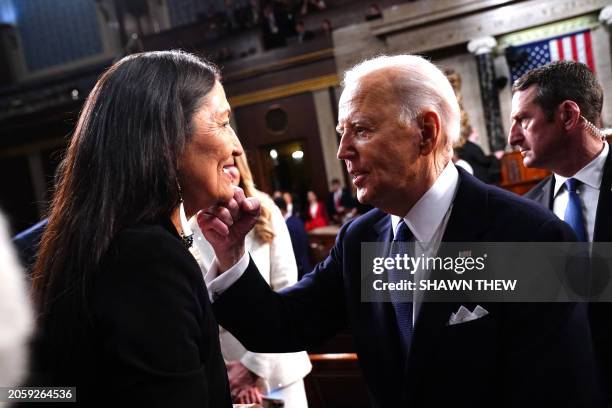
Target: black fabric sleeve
pixel 158 334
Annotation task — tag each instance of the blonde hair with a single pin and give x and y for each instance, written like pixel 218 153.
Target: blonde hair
pixel 263 226
pixel 466 127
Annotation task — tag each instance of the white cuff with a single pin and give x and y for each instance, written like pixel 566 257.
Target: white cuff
pixel 216 284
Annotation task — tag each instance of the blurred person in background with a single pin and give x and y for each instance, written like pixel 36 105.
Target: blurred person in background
pixel 316 215
pixel 303 34
pixel 326 28
pixel 252 375
pixel 373 12
pixel 121 302
pixel 293 206
pixel 299 238
pixel 340 202
pixel 15 314
pixel 308 5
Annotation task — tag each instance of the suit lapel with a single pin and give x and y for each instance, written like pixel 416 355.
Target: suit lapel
pixel 603 217
pixel 378 327
pixel 468 221
pixel 544 194
pixel 469 216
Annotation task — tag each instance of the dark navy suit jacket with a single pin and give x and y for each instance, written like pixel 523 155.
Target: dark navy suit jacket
pixel 299 241
pixel 600 314
pixel 519 355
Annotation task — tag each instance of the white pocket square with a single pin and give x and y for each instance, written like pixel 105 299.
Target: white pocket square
pixel 464 315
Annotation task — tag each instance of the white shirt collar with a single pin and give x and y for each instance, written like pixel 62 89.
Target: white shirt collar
pixel 591 174
pixel 425 217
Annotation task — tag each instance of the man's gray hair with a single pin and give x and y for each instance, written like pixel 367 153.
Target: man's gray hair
pixel 422 84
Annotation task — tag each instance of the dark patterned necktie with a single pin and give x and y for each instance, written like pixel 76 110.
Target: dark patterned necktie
pixel 402 306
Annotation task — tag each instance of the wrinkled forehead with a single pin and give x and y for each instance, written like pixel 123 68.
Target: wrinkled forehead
pixel 373 90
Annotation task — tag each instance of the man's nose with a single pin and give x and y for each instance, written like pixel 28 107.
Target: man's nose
pixel 344 149
pixel 515 135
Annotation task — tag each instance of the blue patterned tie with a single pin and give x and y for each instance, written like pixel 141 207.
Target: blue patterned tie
pixel 403 308
pixel 573 212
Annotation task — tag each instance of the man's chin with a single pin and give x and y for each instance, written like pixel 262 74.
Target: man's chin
pixel 363 197
pixel 529 162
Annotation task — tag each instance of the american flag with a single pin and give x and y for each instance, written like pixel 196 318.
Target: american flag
pixel 575 47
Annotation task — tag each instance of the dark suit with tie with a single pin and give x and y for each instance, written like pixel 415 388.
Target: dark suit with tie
pixel 518 355
pixel 600 314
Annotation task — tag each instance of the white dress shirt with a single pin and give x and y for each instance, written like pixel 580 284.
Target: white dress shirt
pixel 590 177
pixel 427 220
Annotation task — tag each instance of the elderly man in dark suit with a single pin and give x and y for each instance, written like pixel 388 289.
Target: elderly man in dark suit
pixel 556 115
pixel 398 118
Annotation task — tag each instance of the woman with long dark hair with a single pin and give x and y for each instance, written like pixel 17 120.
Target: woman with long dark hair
pixel 123 311
pixel 269 246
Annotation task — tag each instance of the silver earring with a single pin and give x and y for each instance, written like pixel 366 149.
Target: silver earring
pixel 186 233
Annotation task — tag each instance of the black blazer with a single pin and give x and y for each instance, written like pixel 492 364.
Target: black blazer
pixel 519 355
pixel 600 314
pixel 152 341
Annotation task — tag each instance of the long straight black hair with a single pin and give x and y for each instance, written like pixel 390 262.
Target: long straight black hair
pixel 120 169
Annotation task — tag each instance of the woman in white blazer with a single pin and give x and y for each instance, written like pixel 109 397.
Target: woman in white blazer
pixel 269 245
pixel 16 321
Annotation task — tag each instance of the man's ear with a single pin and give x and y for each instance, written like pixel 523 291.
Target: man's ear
pixel 430 125
pixel 569 112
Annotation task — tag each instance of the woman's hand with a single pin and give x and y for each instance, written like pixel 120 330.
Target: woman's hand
pixel 243 384
pixel 225 225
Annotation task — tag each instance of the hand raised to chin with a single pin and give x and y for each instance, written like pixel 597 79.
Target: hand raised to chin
pixel 226 224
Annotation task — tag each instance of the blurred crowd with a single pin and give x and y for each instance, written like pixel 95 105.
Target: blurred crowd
pixel 281 23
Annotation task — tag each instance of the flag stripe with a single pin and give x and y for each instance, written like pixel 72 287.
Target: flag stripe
pixel 589 51
pixel 554 50
pixel 581 51
pixel 574 48
pixel 567 48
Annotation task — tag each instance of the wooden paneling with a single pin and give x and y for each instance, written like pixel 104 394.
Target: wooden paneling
pixel 284 90
pixel 516 177
pixel 302 126
pixel 286 77
pixel 336 381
